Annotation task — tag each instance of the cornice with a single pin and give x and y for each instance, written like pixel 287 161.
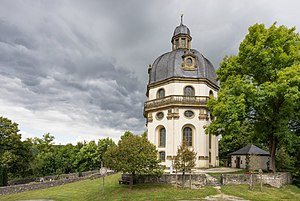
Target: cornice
pixel 182 80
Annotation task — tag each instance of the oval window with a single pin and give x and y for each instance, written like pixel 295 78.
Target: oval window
pixel 189 62
pixel 160 115
pixel 189 113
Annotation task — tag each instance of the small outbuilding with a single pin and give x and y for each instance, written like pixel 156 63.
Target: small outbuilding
pixel 250 157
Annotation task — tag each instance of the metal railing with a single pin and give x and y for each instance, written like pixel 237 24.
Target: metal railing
pixel 176 100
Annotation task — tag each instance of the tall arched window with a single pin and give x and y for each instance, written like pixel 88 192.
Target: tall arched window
pixel 211 93
pixel 162 137
pixel 188 136
pixel 189 91
pixel 162 156
pixel 160 93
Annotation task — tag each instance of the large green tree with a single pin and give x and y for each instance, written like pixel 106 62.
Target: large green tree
pixel 44 155
pixel 260 86
pixel 15 154
pixel 134 154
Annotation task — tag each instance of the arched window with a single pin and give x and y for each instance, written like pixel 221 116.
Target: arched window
pixel 162 156
pixel 160 93
pixel 162 137
pixel 211 93
pixel 189 91
pixel 187 136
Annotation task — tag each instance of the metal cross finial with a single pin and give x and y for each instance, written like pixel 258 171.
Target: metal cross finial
pixel 181 19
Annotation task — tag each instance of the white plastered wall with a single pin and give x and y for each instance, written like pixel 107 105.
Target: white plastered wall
pixel 174 126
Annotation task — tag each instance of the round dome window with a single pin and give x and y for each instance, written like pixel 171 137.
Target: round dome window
pixel 160 115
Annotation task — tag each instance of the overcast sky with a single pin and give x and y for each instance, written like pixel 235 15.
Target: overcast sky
pixel 78 69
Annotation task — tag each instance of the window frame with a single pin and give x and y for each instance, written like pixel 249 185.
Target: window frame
pixel 160 154
pixel 190 117
pixel 160 142
pixel 189 142
pixel 159 93
pixel 185 92
pixel 157 116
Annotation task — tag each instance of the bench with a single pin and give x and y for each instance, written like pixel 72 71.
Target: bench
pixel 126 178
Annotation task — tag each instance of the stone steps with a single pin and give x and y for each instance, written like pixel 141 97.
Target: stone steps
pixel 212 181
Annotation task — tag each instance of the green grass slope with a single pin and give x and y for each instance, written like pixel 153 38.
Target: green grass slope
pixel 91 190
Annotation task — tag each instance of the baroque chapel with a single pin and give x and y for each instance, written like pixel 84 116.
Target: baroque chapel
pixel 180 83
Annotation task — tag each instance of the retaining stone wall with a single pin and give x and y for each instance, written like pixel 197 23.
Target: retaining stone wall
pixel 197 180
pixel 65 179
pixel 275 180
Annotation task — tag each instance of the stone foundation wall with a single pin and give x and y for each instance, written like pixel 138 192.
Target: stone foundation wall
pixel 275 180
pixel 50 182
pixel 34 186
pixel 197 180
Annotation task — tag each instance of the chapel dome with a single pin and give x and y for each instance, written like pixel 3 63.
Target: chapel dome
pixel 182 62
pixel 171 64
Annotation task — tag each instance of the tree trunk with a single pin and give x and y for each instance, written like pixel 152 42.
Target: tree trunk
pixel 131 180
pixel 272 148
pixel 183 178
pixel 176 178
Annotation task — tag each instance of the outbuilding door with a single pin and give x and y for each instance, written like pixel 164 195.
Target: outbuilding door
pixel 238 161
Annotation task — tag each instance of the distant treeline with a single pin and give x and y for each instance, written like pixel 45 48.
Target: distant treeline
pixel 35 157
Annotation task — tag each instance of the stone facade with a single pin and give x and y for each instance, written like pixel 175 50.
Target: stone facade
pixel 252 162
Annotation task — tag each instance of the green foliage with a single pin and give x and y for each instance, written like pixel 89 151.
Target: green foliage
pixel 259 94
pixel 15 154
pixel 134 154
pixel 88 157
pixel 45 156
pixel 103 146
pixel 185 159
pixel 61 159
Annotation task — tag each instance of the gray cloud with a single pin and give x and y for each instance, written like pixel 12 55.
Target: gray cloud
pixel 83 64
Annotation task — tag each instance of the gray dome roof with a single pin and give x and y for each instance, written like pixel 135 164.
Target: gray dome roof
pixel 181 29
pixel 170 65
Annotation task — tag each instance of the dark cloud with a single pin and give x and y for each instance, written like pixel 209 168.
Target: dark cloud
pixel 83 64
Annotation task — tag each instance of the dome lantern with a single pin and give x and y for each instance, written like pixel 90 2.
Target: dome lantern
pixel 181 37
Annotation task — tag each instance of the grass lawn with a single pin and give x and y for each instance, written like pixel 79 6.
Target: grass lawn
pixel 91 190
pixel 289 192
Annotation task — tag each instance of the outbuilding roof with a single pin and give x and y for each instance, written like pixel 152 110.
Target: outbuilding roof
pixel 250 149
